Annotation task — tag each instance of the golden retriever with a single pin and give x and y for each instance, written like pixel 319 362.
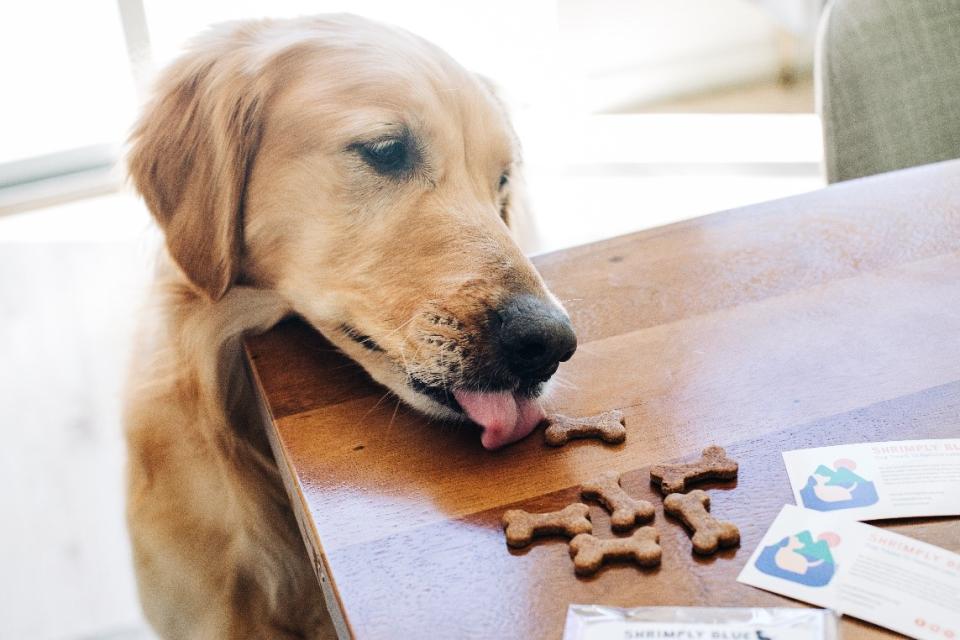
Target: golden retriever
pixel 352 174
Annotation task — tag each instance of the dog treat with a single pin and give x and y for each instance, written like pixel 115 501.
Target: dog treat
pixel 625 511
pixel 608 426
pixel 713 464
pixel 522 527
pixel 589 552
pixel 709 534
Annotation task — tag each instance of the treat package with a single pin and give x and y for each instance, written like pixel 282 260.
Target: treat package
pixel 596 622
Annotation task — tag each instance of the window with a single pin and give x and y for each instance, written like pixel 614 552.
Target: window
pixel 68 88
pixel 650 110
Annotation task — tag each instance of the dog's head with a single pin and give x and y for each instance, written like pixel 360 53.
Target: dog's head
pixel 370 180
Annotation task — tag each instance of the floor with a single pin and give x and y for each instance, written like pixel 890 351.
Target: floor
pixel 770 97
pixel 71 280
pixel 66 311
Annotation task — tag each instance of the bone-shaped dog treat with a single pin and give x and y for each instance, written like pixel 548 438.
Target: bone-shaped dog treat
pixel 709 534
pixel 522 527
pixel 589 552
pixel 625 511
pixel 713 464
pixel 608 426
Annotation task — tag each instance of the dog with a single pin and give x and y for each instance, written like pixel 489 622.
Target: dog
pixel 354 175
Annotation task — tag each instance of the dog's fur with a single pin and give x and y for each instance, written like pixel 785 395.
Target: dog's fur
pixel 250 158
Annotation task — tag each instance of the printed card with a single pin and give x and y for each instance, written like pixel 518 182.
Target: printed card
pixel 870 481
pixel 859 570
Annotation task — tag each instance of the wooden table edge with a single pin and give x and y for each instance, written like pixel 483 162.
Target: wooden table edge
pixel 301 510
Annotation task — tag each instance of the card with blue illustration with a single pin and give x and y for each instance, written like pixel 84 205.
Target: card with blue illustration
pixel 826 558
pixel 876 480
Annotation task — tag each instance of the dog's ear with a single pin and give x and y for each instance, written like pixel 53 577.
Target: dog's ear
pixel 190 157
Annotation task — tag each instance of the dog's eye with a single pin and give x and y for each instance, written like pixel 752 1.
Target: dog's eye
pixel 391 156
pixel 504 179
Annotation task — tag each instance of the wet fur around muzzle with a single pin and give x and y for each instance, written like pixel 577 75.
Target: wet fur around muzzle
pixel 343 171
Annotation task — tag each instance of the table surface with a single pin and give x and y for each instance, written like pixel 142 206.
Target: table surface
pixel 827 318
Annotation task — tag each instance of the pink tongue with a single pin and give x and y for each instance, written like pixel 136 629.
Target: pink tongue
pixel 504 417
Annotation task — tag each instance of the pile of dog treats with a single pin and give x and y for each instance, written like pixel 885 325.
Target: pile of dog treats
pixel 642 547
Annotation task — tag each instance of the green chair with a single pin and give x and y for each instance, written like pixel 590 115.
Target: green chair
pixel 888 84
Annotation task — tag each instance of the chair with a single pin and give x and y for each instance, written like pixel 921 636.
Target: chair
pixel 888 84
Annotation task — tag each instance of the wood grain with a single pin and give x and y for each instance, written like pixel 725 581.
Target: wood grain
pixel 467 560
pixel 820 319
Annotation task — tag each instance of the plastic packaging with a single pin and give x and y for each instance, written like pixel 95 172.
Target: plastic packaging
pixel 596 622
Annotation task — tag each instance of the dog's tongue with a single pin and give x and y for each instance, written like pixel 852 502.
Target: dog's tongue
pixel 505 418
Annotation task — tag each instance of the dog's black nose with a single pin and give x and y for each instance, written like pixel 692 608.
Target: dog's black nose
pixel 535 337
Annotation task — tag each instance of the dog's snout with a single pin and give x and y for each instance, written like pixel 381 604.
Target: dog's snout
pixel 535 337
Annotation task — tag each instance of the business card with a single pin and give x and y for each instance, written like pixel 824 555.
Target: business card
pixel 859 570
pixel 870 481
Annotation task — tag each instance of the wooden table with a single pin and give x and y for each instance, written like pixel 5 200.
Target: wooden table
pixel 827 318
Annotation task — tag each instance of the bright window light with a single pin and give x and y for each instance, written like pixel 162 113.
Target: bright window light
pixel 66 78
